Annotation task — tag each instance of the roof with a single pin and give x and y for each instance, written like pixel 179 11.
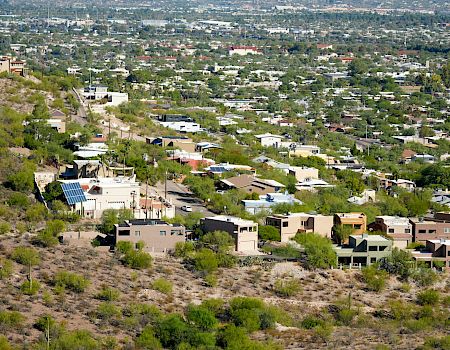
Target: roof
pixel 73 193
pixel 235 220
pixel 372 238
pixel 267 135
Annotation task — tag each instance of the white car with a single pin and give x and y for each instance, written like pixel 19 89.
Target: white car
pixel 186 208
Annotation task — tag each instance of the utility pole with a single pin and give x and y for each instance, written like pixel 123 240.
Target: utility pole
pixel 146 197
pixel 165 185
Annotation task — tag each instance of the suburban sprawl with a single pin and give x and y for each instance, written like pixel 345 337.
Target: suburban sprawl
pixel 224 174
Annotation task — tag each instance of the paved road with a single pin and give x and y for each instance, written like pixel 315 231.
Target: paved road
pixel 180 196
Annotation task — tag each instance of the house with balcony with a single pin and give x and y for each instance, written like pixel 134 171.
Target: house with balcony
pixel 356 222
pixel 436 250
pixel 291 224
pixel 363 250
pixel 244 232
pixel 157 235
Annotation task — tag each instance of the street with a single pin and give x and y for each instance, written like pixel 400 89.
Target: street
pixel 180 196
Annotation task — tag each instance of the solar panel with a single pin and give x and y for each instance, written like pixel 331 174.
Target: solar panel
pixel 73 192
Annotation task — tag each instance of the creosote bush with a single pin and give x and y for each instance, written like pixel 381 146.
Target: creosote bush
pixel 71 281
pixel 162 285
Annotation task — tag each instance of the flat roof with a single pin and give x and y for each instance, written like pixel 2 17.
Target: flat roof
pixel 235 220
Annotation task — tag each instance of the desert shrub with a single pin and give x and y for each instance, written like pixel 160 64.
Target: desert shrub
pixel 11 320
pixel 4 343
pixel 428 297
pixel 252 314
pixel 216 306
pixel 436 343
pixel 424 277
pixel 285 251
pixel 318 249
pixel 6 268
pixel 148 340
pixel 45 239
pixel 107 311
pixel 374 278
pixel 79 339
pixel 30 287
pixel 137 259
pixel 108 294
pixel 226 260
pixel 286 287
pixel 310 322
pixel 399 263
pixel 205 261
pixel 124 247
pixel 71 281
pixel 269 233
pixel 415 245
pixel 345 316
pixel 18 199
pixel 5 227
pixel 211 280
pixel 183 249
pixel 162 285
pixel 418 325
pixel 201 318
pixel 25 256
pixel 400 310
pixel 172 331
pixel 218 241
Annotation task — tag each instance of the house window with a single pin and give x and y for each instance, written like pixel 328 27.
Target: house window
pixel 373 260
pixel 422 231
pixel 285 224
pixel 382 248
pixel 391 230
pixel 432 231
pixel 407 230
pixel 137 233
pixel 124 233
pixel 373 248
pixel 447 230
pixel 357 226
pixel 162 233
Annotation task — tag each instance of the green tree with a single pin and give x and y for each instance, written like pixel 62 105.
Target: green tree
pixel 205 261
pixel 374 278
pixel 201 318
pixel 269 233
pixel 318 249
pixel 219 241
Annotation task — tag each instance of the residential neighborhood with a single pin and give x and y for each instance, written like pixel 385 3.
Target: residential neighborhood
pixel 224 174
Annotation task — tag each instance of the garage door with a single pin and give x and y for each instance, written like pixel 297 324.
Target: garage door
pixel 247 245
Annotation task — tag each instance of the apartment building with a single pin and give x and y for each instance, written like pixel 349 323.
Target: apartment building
pixel 157 235
pixel 12 66
pixel 244 232
pixel 437 227
pixel 291 224
pixel 436 250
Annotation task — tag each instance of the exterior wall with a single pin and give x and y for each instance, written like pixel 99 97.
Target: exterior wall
pixel 364 251
pixel 428 230
pixel 270 141
pixel 358 223
pixel 5 66
pixel 323 225
pixel 242 235
pixel 301 174
pixel 160 238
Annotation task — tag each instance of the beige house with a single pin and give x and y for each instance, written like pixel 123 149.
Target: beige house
pixel 158 236
pixel 356 221
pixel 244 232
pixel 184 143
pixel 303 173
pixel 291 224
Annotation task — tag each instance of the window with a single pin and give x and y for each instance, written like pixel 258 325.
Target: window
pixel 407 230
pixel 137 233
pixel 357 226
pixel 382 248
pixel 285 224
pixel 373 248
pixel 175 232
pixel 432 231
pixel 422 231
pixel 391 230
pixel 373 260
pixel 162 233
pixel 447 230
pixel 124 233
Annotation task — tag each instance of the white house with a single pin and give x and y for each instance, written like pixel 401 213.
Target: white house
pixel 269 140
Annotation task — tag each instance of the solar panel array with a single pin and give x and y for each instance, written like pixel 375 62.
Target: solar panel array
pixel 73 192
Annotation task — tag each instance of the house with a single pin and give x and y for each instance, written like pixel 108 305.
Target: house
pixel 57 124
pixel 303 173
pixel 243 50
pixel 157 236
pixel 83 169
pixel 367 196
pixel 265 202
pixel 356 221
pixel 291 224
pixel 424 158
pixel 244 232
pixel 174 118
pixel 312 184
pixel 436 250
pixel 219 169
pixel 399 229
pixel 182 142
pixel 97 93
pixel 154 207
pixel 305 151
pixel 407 155
pixel 251 184
pixel 269 140
pixel 363 250
pixel 193 159
pixel 12 66
pixel 184 127
pixel 437 227
pixel 102 193
pixel 390 184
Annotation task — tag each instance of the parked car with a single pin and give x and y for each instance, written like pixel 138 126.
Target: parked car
pixel 187 208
